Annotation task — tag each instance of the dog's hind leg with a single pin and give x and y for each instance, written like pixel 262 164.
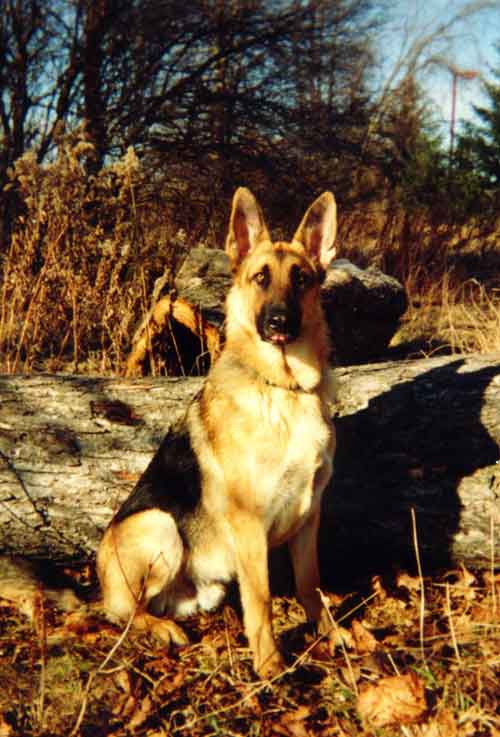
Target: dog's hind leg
pixel 138 559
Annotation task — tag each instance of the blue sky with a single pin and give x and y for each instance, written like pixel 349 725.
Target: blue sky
pixel 468 34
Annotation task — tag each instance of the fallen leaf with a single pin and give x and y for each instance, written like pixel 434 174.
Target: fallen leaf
pixel 351 675
pixel 465 629
pixel 378 587
pixel 492 579
pixel 482 613
pixel 405 581
pixel 465 586
pixel 82 625
pixel 125 702
pixel 340 636
pixel 364 641
pixel 216 641
pixel 141 713
pixel 123 681
pixel 321 651
pixel 443 725
pixel 292 724
pixel 466 577
pixel 5 728
pixel 81 622
pixel 169 684
pixel 124 705
pixel 395 699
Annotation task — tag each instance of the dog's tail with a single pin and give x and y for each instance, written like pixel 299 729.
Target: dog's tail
pixel 22 585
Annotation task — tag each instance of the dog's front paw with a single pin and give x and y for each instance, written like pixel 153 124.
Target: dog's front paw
pixel 169 632
pixel 270 665
pixel 165 630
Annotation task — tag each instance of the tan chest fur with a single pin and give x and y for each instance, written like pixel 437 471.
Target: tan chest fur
pixel 292 457
pixel 270 453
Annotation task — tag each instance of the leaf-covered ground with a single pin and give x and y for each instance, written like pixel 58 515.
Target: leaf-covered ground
pixel 401 660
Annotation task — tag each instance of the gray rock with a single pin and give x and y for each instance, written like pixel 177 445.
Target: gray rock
pixel 204 280
pixel 362 306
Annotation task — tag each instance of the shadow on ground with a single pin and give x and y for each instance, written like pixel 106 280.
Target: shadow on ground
pixel 409 448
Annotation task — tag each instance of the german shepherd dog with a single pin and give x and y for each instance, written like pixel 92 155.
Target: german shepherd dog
pixel 247 467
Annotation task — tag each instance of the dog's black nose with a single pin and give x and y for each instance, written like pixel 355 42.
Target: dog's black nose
pixel 278 321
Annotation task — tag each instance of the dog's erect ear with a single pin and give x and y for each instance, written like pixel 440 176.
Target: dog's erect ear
pixel 318 229
pixel 246 226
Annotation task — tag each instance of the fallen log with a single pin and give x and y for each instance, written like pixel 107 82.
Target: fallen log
pixel 417 435
pixel 417 466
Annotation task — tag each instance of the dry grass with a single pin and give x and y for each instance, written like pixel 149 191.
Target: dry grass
pixel 450 273
pixel 85 253
pixel 469 320
pixel 450 317
pixel 81 263
pixel 75 673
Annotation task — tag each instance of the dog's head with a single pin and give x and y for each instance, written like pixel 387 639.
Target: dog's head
pixel 279 282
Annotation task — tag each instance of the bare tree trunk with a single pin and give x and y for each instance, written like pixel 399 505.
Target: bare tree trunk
pixel 96 22
pixel 421 435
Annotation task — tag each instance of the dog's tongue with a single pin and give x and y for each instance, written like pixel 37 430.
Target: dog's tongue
pixel 279 338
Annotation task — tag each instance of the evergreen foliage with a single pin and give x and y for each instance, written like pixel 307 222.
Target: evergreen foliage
pixel 479 146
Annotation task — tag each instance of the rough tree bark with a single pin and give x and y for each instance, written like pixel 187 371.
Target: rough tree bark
pixel 420 435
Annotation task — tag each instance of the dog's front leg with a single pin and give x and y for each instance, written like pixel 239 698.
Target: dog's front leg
pixel 303 548
pixel 250 548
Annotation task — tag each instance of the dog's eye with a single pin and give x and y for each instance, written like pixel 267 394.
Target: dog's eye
pixel 262 277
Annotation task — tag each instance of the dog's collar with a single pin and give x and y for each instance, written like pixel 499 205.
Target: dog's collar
pixel 294 389
pixel 259 377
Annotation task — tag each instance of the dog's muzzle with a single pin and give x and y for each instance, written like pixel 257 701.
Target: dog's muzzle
pixel 278 324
